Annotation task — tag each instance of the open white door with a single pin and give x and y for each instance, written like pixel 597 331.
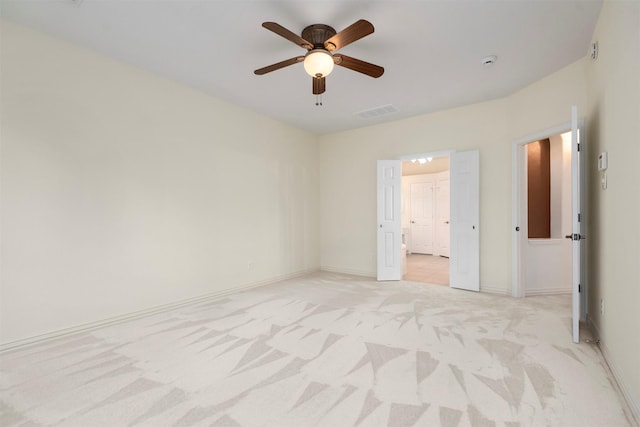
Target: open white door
pixel 576 236
pixel 389 220
pixel 465 215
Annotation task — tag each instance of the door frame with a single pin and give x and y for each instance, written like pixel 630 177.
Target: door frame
pixel 519 208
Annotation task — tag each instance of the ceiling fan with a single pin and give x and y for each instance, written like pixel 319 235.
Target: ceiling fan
pixel 321 41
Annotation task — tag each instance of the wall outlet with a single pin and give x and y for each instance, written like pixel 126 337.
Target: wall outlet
pixel 602 306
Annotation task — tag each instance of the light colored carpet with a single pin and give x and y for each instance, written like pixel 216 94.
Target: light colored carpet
pixel 324 350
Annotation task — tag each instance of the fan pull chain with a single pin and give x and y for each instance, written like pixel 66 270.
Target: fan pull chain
pixel 318 100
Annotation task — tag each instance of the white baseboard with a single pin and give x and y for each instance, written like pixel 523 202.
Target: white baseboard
pixel 25 342
pixel 630 399
pixel 548 291
pixel 348 271
pixel 494 290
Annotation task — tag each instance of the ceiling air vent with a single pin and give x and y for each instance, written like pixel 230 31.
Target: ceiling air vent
pixel 377 112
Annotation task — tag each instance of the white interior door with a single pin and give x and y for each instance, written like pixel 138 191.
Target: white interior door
pixel 442 215
pixel 465 215
pixel 389 220
pixel 421 194
pixel 576 236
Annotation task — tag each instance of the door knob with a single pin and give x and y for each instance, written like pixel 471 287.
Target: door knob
pixel 446 222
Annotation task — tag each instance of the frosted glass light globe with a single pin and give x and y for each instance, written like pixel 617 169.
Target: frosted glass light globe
pixel 318 63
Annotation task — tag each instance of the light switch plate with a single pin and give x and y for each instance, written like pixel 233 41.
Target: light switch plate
pixel 602 161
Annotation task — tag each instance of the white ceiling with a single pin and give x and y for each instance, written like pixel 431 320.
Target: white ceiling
pixel 431 50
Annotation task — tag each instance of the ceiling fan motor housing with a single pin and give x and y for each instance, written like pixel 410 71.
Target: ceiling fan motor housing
pixel 317 34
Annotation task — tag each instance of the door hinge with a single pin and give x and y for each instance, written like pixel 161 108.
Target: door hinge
pixel 579 288
pixel 578 147
pixel 579 217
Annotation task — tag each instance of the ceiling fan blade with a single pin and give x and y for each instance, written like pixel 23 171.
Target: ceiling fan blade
pixel 292 37
pixel 319 85
pixel 358 65
pixel 353 32
pixel 277 66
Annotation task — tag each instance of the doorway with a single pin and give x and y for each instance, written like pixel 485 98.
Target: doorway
pixel 579 288
pixel 425 219
pixel 546 253
pixel 464 266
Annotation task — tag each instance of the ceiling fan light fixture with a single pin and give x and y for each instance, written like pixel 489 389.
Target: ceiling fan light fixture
pixel 318 63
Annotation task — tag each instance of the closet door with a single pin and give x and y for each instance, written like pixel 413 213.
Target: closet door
pixel 422 232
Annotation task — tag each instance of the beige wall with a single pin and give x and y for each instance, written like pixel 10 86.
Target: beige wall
pixel 547 102
pixel 613 227
pixel 348 170
pixel 123 191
